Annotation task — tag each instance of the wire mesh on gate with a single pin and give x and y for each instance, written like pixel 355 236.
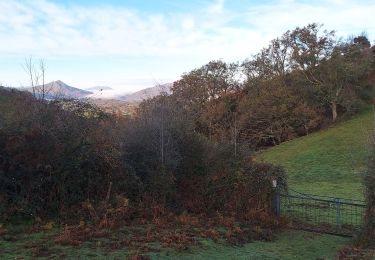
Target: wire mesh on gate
pixel 323 213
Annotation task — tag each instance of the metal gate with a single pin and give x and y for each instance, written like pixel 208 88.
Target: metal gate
pixel 322 213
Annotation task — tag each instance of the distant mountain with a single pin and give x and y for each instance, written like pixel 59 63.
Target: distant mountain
pixel 58 89
pixel 147 93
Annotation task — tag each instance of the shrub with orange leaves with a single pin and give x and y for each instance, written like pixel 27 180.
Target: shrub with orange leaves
pixel 187 219
pixel 108 215
pixel 211 233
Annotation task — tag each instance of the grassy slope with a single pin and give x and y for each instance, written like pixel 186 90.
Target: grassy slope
pixel 329 162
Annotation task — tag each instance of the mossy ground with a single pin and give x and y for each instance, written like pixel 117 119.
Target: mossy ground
pixel 289 244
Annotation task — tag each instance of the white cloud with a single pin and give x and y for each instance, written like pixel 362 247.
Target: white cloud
pixel 217 7
pixel 215 30
pixel 45 28
pixel 344 16
pixel 188 23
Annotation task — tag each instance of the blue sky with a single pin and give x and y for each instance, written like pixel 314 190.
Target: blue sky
pixel 134 44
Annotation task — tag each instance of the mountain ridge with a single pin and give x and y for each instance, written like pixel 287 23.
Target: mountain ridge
pixel 148 93
pixel 58 89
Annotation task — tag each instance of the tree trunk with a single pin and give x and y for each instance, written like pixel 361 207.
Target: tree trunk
pixel 235 136
pixel 306 129
pixel 334 111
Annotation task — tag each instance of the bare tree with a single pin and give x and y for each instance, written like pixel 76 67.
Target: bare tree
pixel 36 75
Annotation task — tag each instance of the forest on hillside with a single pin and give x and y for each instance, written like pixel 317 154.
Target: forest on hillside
pixel 185 153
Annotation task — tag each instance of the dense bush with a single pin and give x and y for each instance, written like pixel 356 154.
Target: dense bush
pixel 367 237
pixel 68 159
pixel 181 169
pixel 53 158
pixel 244 191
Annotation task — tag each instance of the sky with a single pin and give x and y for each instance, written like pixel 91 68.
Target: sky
pixel 133 44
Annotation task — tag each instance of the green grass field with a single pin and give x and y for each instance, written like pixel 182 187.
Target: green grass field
pixel 288 245
pixel 329 162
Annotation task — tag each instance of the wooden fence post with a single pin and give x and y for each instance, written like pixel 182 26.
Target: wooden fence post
pixel 276 199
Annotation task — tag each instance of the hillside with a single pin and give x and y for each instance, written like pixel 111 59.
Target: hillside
pixel 10 98
pixel 114 106
pixel 328 162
